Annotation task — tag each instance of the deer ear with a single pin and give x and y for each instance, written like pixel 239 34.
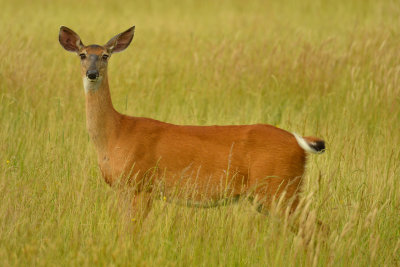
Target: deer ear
pixel 69 40
pixel 121 41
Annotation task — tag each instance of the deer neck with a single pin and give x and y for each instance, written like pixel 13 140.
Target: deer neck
pixel 101 117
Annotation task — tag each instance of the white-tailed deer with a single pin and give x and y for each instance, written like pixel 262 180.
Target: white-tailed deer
pixel 211 163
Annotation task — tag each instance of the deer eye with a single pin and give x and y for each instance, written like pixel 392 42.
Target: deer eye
pixel 105 57
pixel 82 56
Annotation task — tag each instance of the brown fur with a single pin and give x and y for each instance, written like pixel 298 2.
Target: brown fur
pixel 210 162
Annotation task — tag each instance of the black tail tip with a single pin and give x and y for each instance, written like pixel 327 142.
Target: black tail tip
pixel 318 146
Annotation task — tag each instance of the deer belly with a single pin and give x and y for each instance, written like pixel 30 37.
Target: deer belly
pixel 198 187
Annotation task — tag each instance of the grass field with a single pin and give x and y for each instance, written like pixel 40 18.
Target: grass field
pixel 324 68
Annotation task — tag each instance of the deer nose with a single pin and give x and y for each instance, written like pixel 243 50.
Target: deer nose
pixel 92 74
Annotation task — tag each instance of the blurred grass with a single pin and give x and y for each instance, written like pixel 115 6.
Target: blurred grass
pixel 323 68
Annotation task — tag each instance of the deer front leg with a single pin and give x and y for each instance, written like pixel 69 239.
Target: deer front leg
pixel 141 205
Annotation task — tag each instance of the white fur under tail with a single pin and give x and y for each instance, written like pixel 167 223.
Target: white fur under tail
pixel 303 144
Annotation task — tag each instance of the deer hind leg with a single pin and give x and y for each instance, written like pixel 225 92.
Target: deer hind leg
pixel 282 197
pixel 279 194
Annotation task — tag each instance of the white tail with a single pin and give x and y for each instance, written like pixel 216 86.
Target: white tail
pixel 315 146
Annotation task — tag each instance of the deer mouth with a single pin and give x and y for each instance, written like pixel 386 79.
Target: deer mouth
pixel 92 84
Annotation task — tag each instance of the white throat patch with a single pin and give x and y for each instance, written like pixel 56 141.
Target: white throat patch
pixel 91 85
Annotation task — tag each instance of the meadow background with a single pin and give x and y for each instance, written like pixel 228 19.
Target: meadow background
pixel 324 68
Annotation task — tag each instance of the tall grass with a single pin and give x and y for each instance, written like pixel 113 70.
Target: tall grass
pixel 323 68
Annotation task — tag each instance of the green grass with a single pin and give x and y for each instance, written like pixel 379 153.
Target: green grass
pixel 324 68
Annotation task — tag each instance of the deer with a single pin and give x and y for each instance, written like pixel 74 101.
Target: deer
pixel 213 164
